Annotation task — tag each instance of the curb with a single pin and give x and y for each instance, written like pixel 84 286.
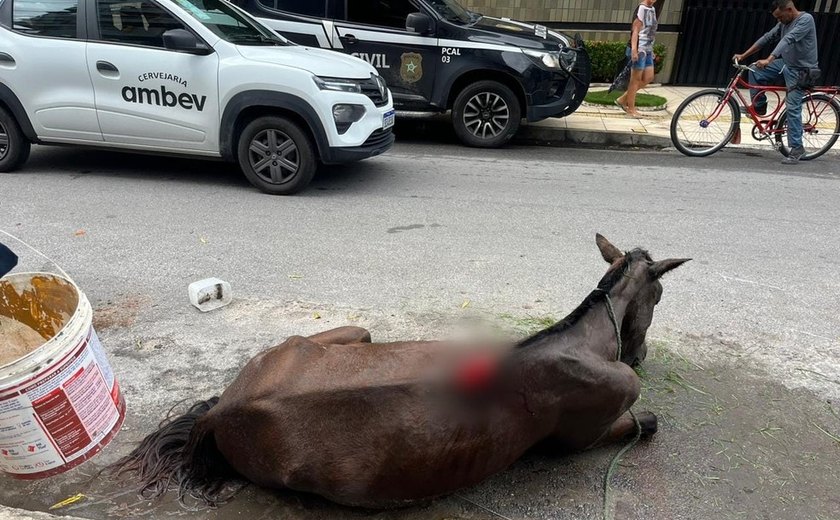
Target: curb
pixel 546 134
pixel 551 136
pixel 11 513
pixel 658 108
pixel 607 85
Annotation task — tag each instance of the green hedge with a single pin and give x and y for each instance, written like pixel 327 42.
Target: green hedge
pixel 606 57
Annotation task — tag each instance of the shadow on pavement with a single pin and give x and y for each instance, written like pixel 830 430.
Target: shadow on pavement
pixel 165 171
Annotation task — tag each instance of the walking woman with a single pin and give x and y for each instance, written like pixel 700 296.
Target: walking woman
pixel 641 54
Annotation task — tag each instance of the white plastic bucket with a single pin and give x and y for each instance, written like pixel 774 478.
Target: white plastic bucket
pixel 60 403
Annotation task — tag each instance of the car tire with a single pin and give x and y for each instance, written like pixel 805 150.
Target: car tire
pixel 14 146
pixel 276 155
pixel 486 114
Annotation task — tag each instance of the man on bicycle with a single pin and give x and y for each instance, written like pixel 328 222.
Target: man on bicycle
pixel 792 63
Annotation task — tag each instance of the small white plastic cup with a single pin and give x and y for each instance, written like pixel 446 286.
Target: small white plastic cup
pixel 209 294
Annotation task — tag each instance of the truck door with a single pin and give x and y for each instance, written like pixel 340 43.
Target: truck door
pixel 147 95
pixel 374 30
pixel 43 63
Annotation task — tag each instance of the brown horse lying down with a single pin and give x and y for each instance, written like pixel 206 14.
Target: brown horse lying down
pixel 386 424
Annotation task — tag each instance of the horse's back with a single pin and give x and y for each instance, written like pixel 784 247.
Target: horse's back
pixel 300 367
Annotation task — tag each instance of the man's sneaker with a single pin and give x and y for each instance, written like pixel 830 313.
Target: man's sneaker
pixel 760 110
pixel 794 156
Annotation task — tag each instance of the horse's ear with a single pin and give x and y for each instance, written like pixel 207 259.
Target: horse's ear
pixel 663 266
pixel 608 251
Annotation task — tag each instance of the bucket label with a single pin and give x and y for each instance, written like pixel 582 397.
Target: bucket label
pixel 101 360
pixel 24 445
pixel 61 414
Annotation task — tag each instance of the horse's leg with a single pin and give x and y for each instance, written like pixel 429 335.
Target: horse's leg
pixel 625 428
pixel 342 336
pixel 610 395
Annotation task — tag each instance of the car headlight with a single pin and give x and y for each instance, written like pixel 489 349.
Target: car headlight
pixel 338 84
pixel 549 60
pixel 568 59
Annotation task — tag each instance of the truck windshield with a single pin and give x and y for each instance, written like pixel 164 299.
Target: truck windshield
pixel 452 11
pixel 228 23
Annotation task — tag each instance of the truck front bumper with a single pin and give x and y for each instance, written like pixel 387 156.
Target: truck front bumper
pixel 378 143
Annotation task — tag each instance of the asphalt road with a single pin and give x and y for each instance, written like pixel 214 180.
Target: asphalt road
pixel 406 243
pixel 429 226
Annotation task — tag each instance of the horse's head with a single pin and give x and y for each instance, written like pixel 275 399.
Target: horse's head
pixel 644 275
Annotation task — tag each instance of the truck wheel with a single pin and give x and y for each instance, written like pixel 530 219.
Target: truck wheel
pixel 486 114
pixel 14 147
pixel 276 156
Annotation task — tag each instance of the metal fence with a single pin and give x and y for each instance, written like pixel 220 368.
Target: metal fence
pixel 713 30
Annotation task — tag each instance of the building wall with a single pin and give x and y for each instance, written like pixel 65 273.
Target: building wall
pixel 593 19
pixel 591 11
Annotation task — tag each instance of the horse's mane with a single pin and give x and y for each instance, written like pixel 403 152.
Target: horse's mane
pixel 610 279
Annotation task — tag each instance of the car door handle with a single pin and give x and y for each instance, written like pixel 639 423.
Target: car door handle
pixel 106 68
pixel 350 39
pixel 6 59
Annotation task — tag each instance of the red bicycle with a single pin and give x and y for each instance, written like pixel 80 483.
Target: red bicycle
pixel 707 120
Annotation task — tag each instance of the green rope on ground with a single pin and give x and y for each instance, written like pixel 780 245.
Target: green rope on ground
pixel 476 504
pixel 609 513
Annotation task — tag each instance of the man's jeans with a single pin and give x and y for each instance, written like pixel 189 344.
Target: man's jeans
pixel 778 74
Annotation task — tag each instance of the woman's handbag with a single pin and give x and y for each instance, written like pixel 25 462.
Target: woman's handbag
pixel 622 77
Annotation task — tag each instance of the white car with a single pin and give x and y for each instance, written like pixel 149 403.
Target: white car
pixel 195 77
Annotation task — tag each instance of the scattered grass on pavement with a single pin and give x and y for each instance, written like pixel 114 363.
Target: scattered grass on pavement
pixel 527 325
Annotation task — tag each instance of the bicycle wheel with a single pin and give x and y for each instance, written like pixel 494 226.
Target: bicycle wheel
pixel 820 126
pixel 701 126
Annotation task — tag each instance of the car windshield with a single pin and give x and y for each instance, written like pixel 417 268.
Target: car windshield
pixel 452 11
pixel 228 23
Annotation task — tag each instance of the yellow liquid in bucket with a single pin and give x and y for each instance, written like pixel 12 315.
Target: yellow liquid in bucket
pixel 31 313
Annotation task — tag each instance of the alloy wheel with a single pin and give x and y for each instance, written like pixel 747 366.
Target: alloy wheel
pixel 274 156
pixel 486 115
pixel 4 142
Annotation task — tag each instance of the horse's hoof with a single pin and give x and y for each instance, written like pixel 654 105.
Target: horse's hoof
pixel 647 422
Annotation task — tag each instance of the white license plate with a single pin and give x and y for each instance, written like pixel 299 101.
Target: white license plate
pixel 388 119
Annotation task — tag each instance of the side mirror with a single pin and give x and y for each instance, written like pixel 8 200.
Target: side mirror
pixel 183 40
pixel 419 23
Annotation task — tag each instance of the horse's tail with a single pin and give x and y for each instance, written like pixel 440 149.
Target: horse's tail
pixel 182 453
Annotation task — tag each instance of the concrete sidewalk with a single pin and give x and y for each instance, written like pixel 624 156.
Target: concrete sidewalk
pixel 610 126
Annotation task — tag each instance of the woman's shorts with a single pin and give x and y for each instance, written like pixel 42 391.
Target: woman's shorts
pixel 645 59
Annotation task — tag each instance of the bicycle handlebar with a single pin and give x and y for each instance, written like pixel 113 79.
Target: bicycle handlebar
pixel 742 67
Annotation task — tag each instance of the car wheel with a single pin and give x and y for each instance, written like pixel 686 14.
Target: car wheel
pixel 14 147
pixel 486 114
pixel 276 155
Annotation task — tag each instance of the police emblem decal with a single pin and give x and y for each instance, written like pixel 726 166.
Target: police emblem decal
pixel 411 69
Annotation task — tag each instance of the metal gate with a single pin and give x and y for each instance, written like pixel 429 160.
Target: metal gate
pixel 714 30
